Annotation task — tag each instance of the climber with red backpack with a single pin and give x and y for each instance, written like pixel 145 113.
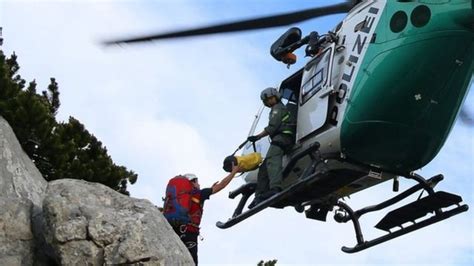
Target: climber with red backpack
pixel 183 206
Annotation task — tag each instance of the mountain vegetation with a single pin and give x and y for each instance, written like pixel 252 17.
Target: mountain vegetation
pixel 267 263
pixel 58 149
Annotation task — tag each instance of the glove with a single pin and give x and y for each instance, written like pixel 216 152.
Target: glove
pixel 253 138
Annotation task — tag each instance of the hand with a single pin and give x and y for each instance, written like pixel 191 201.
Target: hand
pixel 253 138
pixel 235 168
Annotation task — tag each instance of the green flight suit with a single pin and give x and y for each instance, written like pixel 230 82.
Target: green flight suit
pixel 281 131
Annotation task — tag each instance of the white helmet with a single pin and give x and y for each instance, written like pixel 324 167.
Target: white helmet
pixel 190 176
pixel 269 92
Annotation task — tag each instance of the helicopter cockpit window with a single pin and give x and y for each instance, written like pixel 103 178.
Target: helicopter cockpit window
pixel 315 75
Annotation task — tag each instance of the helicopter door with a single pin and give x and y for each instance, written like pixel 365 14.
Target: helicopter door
pixel 313 100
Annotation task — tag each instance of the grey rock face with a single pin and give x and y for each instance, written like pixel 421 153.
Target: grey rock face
pixel 81 224
pixel 89 223
pixel 16 237
pixel 21 192
pixel 19 177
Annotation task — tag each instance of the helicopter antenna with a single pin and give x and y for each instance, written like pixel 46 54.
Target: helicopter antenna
pixel 245 25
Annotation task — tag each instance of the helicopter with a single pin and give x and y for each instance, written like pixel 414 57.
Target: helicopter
pixel 374 103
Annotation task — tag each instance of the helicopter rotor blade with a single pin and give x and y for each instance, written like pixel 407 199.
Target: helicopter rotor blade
pixel 245 25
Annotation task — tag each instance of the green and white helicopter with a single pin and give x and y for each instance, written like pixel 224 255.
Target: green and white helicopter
pixel 375 102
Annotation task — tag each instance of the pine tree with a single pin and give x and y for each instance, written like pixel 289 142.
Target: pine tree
pixel 8 88
pixel 59 150
pixel 26 112
pixel 52 96
pixel 84 157
pixel 267 263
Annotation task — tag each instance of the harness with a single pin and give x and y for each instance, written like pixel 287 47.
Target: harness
pixel 284 135
pixel 195 211
pixel 286 124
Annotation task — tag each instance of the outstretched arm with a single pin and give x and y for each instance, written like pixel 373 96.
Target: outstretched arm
pixel 262 134
pixel 218 186
pixel 273 125
pixel 258 136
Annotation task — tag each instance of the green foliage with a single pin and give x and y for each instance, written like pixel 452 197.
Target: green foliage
pixel 59 150
pixel 267 263
pixel 52 96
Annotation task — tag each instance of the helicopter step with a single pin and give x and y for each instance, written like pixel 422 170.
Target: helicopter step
pixel 410 213
pixel 417 209
pixel 308 177
pixel 270 202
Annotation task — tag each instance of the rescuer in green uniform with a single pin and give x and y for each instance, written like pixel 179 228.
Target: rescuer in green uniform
pixel 281 132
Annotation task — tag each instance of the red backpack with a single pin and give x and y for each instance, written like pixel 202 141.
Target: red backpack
pixel 180 195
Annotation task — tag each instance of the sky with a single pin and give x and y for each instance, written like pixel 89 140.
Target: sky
pixel 174 107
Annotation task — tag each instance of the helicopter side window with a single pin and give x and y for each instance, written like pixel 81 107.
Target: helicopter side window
pixel 315 75
pixel 317 79
pixel 290 88
pixel 288 95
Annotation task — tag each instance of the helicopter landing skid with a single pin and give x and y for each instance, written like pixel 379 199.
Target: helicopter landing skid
pixel 434 202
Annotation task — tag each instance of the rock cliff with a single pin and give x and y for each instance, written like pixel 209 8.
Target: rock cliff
pixel 74 222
